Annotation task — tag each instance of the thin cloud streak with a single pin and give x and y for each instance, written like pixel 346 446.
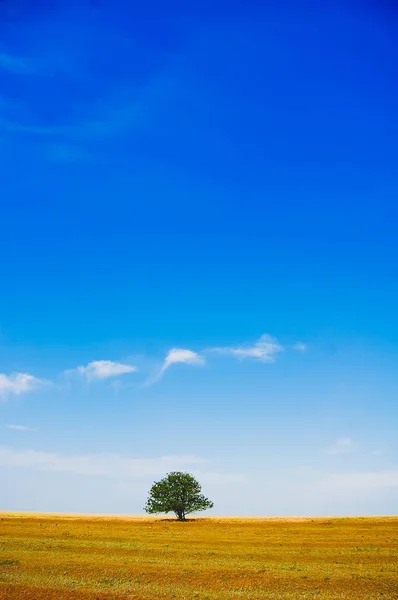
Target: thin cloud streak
pixel 103 369
pixel 93 464
pixel 300 347
pixel 342 446
pixel 265 349
pixel 14 64
pixel 367 480
pixel 109 464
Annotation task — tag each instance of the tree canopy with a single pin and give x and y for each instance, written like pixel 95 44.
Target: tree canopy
pixel 179 493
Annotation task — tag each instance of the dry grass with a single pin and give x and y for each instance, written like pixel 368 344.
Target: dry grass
pixel 102 558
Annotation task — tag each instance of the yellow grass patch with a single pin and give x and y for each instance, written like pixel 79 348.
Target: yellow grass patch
pixel 102 558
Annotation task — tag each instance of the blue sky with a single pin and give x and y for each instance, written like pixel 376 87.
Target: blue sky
pixel 199 255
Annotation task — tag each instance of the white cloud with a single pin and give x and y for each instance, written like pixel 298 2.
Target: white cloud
pixel 174 356
pixel 19 427
pixel 360 481
pixel 342 446
pixel 300 347
pixel 102 369
pixel 181 355
pixel 264 350
pixel 19 383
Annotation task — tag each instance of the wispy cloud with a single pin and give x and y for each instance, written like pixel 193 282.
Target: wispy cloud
pixel 19 383
pixel 124 109
pixel 95 464
pixel 212 478
pixel 114 465
pixel 14 64
pixel 342 446
pixel 175 356
pixel 300 347
pixel 67 153
pixel 19 427
pixel 360 481
pixel 102 369
pixel 265 349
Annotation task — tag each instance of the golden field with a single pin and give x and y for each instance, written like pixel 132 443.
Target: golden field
pixel 103 558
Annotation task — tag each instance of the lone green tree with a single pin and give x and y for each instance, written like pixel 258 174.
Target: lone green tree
pixel 179 493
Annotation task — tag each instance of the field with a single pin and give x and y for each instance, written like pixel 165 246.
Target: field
pixel 103 558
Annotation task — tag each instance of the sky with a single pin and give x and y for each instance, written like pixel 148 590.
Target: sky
pixel 199 254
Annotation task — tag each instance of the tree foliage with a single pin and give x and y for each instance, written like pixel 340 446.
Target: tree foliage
pixel 179 493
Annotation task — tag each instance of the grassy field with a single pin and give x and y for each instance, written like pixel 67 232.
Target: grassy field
pixel 66 558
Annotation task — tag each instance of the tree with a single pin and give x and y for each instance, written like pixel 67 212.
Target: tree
pixel 179 493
